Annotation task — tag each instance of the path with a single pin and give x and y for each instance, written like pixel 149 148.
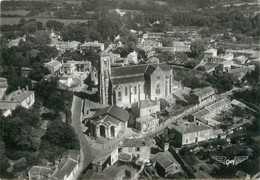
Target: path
pixel 85 150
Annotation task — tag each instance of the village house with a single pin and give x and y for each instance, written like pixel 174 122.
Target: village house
pixel 192 132
pixel 166 164
pixel 210 53
pixel 152 60
pixel 207 114
pixel 63 46
pixel 210 67
pixel 41 172
pixel 90 107
pixel 145 107
pixel 26 71
pixel 53 66
pixel 148 45
pixel 145 112
pixel 132 57
pixel 239 73
pixel 109 122
pixel 3 87
pixel 138 148
pixel 180 46
pixel 15 42
pixel 97 46
pixel 113 172
pixel 68 166
pixel 240 60
pixel 65 170
pixel 153 36
pixel 205 95
pixel 104 159
pixel 24 98
pixel 244 52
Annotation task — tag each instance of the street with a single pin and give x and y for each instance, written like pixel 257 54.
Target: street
pixel 85 149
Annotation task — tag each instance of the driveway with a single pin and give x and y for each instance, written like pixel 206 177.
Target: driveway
pixel 85 149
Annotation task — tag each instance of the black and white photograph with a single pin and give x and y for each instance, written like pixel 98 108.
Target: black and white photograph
pixel 129 89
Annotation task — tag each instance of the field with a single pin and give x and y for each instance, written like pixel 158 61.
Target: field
pixel 12 21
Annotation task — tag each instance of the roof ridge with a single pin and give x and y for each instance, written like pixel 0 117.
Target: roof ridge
pixel 110 108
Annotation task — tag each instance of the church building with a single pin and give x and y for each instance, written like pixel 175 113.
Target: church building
pixel 129 84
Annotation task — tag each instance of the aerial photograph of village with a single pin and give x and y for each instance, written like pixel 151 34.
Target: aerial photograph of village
pixel 129 89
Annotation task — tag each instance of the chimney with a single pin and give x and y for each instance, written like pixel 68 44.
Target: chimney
pixel 27 88
pixel 19 88
pixel 187 125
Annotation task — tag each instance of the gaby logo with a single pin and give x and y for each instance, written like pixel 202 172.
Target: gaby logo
pixel 227 161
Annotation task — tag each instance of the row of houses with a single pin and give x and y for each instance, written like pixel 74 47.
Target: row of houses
pixel 64 169
pixel 70 72
pixel 137 150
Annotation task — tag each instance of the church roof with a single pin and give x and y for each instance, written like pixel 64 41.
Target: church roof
pixel 128 70
pixel 126 80
pixel 113 111
pixel 135 73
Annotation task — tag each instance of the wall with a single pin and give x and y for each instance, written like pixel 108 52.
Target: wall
pixel 144 152
pixel 149 110
pixel 201 136
pixel 126 98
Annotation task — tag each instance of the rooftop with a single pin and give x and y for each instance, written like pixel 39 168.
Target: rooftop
pixel 148 103
pixel 143 119
pixel 95 43
pixel 93 105
pixel 103 155
pixel 3 83
pixel 210 51
pixel 53 63
pixel 191 127
pixel 135 142
pixel 153 60
pixel 44 171
pixel 218 104
pixel 240 70
pixel 165 159
pixel 18 95
pixel 201 113
pixel 113 111
pixel 67 165
pixel 209 66
pixel 205 91
pixel 127 80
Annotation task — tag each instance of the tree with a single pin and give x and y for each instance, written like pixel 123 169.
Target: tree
pixel 62 135
pixel 197 47
pixel 55 25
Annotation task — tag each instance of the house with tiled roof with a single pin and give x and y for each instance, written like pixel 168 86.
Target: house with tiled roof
pixel 205 95
pixel 68 166
pixel 109 122
pixel 166 164
pixel 192 132
pixel 41 172
pixel 66 169
pixel 136 147
pixel 53 66
pixel 20 97
pixel 104 159
pixel 92 45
